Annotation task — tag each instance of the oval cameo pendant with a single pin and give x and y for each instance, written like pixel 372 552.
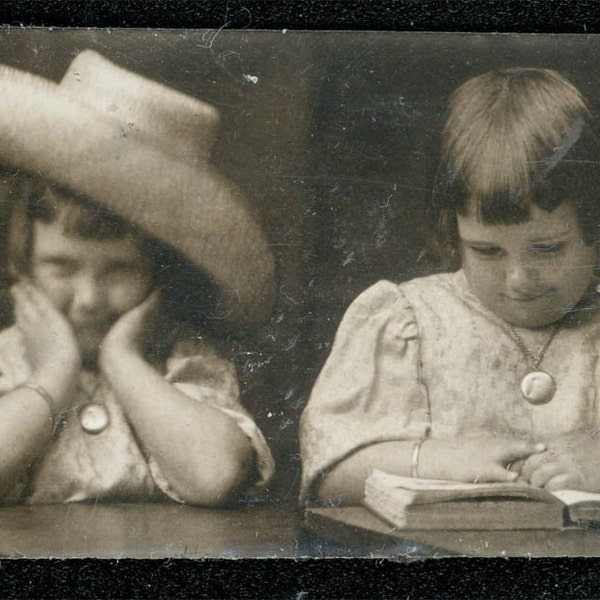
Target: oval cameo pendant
pixel 94 417
pixel 538 387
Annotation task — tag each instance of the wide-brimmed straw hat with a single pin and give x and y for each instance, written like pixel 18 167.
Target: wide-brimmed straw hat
pixel 142 150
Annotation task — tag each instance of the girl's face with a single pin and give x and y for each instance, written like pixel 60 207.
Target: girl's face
pixel 529 274
pixel 92 282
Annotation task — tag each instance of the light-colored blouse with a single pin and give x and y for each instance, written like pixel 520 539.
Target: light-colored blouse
pixel 111 465
pixel 425 358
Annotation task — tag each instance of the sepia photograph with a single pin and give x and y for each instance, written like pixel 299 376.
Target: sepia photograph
pixel 282 294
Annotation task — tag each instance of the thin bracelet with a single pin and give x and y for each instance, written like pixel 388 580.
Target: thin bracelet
pixel 45 395
pixel 414 465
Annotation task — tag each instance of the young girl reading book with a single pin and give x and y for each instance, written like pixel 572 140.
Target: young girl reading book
pixel 110 390
pixel 491 372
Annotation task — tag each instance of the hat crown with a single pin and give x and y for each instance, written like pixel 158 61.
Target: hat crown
pixel 179 124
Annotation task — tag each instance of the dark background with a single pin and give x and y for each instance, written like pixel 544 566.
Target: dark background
pixel 335 146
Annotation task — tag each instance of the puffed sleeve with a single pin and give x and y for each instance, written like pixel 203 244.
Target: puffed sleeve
pixel 369 390
pixel 196 370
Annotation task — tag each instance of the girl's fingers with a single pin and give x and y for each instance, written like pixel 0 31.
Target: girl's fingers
pixel 502 475
pixel 540 477
pixel 516 465
pixel 535 461
pixel 150 304
pixel 31 306
pixel 563 481
pixel 24 308
pixel 23 291
pixel 521 449
pixel 17 290
pixel 40 299
pixel 43 306
pixel 140 315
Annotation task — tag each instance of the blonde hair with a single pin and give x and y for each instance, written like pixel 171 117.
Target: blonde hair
pixel 35 200
pixel 504 126
pixel 512 138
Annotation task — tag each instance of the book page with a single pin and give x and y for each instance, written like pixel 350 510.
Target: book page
pixel 570 497
pixel 434 490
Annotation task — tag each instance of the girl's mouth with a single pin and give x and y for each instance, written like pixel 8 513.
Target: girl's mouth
pixel 525 298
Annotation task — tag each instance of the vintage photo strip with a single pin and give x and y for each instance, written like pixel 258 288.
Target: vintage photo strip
pixel 244 270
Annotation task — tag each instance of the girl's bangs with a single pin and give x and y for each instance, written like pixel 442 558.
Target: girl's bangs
pixel 77 216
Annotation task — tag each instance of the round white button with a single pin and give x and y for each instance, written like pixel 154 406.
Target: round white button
pixel 94 417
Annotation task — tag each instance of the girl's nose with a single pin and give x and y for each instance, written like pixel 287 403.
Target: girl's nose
pixel 521 278
pixel 87 294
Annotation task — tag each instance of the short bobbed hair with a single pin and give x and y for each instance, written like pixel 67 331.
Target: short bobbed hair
pixel 513 138
pixel 36 200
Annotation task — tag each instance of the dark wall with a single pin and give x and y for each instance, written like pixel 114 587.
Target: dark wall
pixel 335 146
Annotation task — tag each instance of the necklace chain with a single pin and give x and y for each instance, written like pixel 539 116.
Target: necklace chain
pixel 90 395
pixel 536 360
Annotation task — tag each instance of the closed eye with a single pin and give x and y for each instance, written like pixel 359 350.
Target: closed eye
pixel 488 251
pixel 119 268
pixel 62 267
pixel 548 248
pixel 123 265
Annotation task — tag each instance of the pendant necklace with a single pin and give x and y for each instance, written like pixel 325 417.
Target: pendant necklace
pixel 537 387
pixel 93 416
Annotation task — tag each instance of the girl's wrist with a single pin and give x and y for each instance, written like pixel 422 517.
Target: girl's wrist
pixel 43 394
pixel 118 346
pixel 115 353
pixel 59 385
pixel 117 360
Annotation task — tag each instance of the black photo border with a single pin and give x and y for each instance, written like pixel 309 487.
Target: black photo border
pixel 306 578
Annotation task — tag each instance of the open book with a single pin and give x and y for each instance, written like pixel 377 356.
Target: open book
pixel 435 504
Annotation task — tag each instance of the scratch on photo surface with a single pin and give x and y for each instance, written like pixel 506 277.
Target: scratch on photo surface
pixel 287 296
pixel 293 342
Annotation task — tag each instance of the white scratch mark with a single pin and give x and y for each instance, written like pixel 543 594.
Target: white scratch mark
pixel 348 259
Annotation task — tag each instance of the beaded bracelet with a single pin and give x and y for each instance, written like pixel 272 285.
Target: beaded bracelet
pixel 45 395
pixel 414 465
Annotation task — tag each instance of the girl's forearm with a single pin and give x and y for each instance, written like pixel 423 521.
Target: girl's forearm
pixel 28 415
pixel 476 458
pixel 202 453
pixel 26 426
pixel 345 483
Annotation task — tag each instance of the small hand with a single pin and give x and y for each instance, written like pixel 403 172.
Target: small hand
pixel 476 459
pixel 134 330
pixel 48 336
pixel 571 462
pixel 50 344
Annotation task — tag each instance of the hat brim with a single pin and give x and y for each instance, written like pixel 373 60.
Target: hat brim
pixel 191 207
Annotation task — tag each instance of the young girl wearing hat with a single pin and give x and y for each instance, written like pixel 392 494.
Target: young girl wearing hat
pixel 107 391
pixel 488 373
